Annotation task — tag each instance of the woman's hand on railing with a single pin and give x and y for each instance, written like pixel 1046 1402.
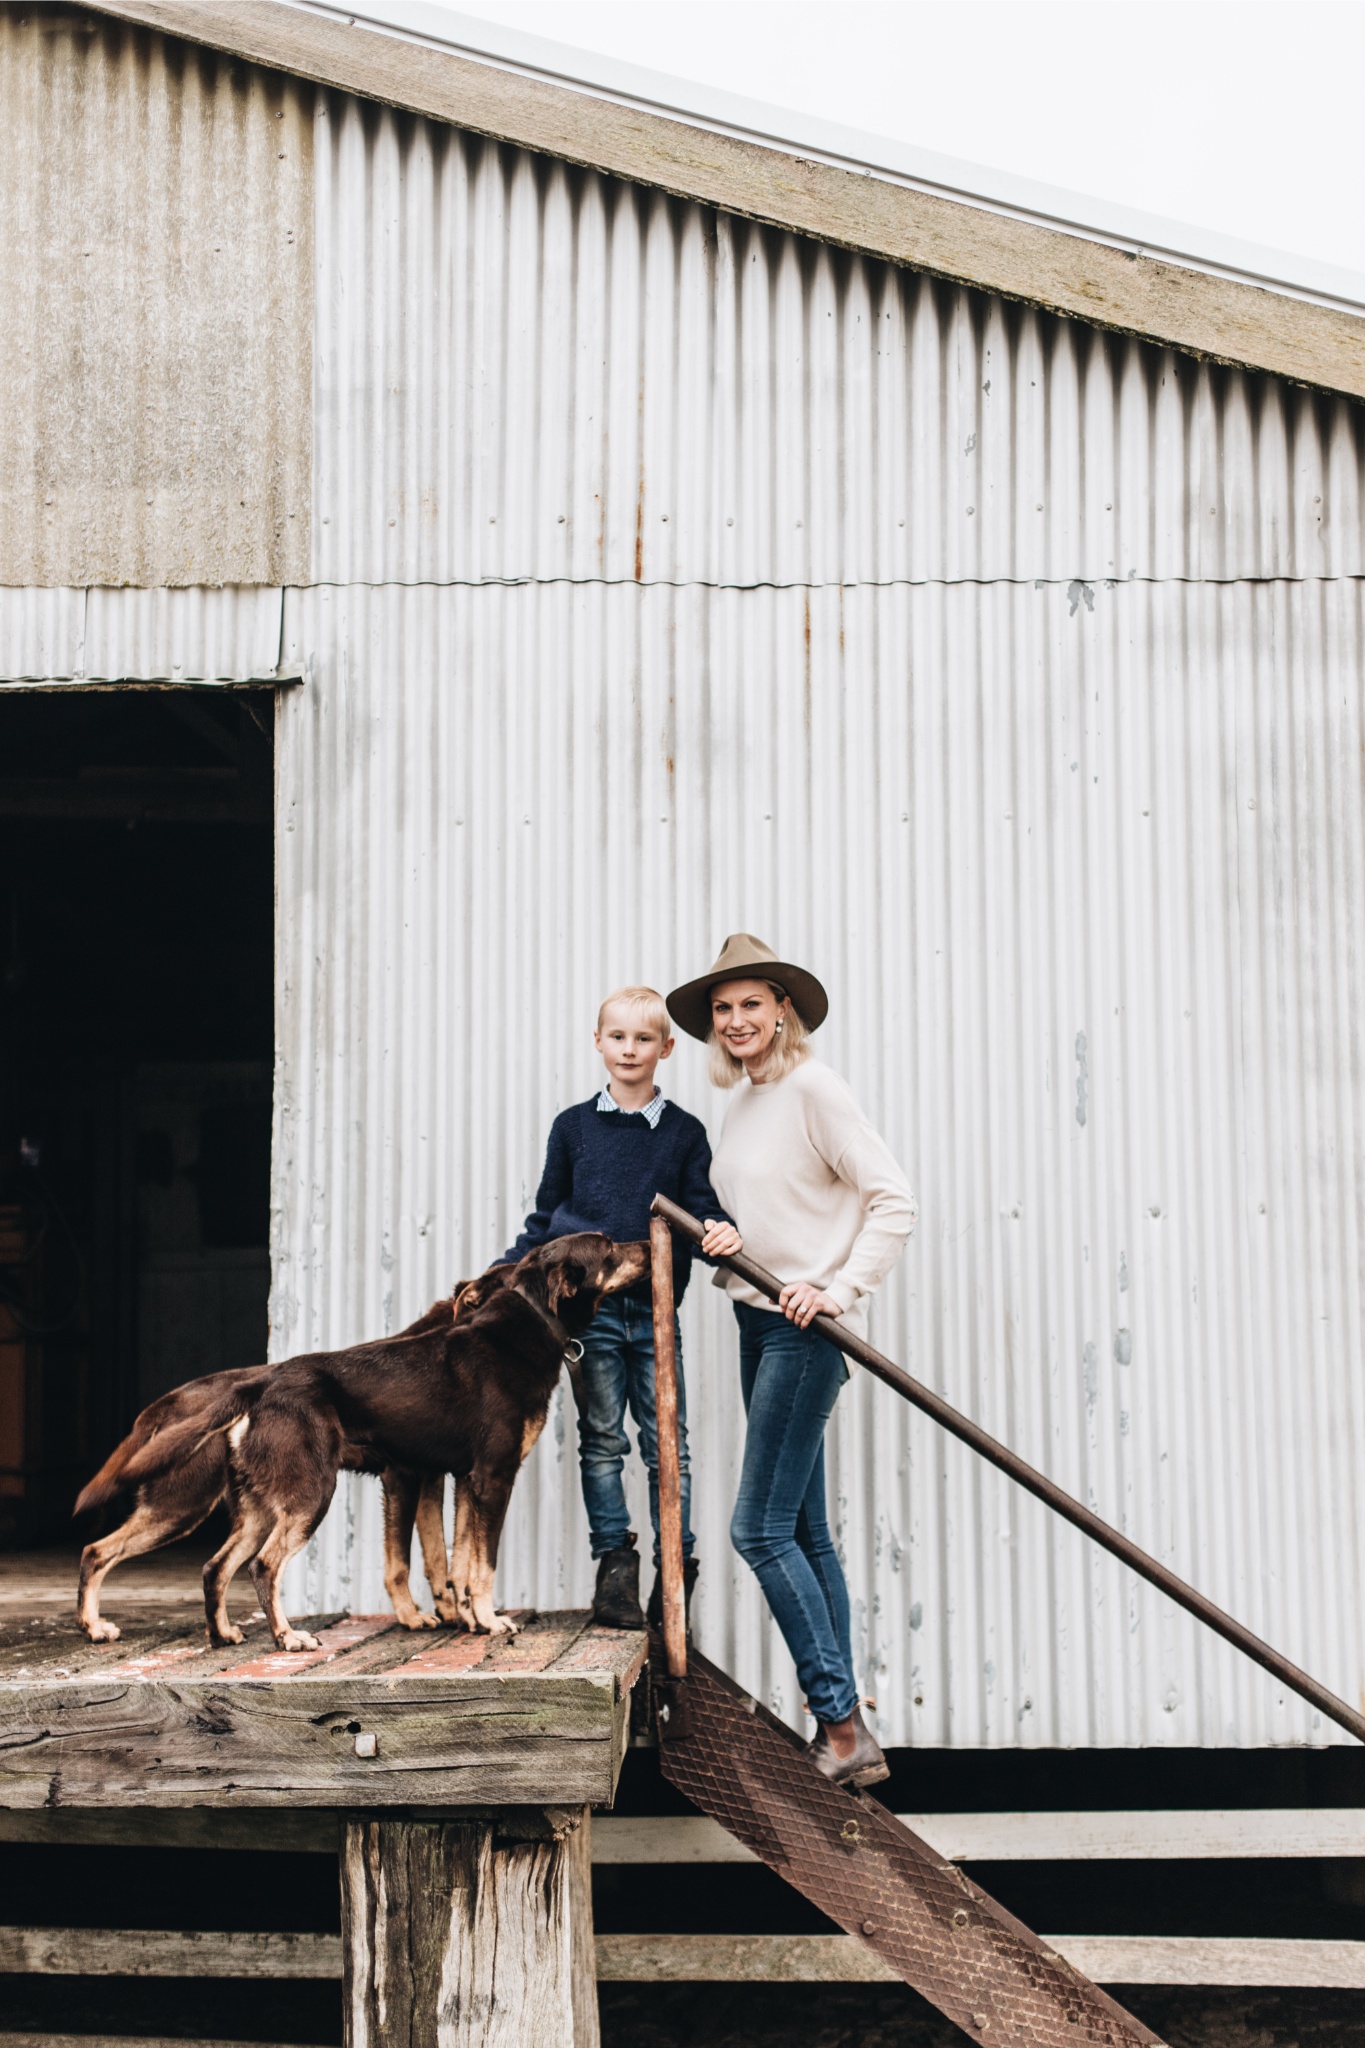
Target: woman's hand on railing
pixel 721 1240
pixel 801 1303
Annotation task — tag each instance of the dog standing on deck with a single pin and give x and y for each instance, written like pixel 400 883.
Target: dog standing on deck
pixel 465 1390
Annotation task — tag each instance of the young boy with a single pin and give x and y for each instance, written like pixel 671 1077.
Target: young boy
pixel 606 1160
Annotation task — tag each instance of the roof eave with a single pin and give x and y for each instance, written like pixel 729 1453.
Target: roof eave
pixel 1200 313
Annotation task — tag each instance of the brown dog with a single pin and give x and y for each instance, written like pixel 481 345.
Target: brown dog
pixel 178 1466
pixel 465 1390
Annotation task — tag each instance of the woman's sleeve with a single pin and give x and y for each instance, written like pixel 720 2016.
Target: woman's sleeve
pixel 860 1156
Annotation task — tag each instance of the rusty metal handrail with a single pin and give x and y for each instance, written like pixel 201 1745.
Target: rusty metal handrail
pixel 1037 1483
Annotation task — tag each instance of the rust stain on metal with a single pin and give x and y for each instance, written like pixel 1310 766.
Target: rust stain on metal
pixel 640 530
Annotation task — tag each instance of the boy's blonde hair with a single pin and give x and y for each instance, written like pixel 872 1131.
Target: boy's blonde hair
pixel 789 1047
pixel 647 999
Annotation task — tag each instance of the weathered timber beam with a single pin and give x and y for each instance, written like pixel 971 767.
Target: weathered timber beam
pixel 1106 1959
pixel 462 1921
pixel 526 1879
pixel 159 1743
pixel 157 1952
pixel 9 2039
pixel 373 1718
pixel 874 214
pixel 1251 1833
pixel 308 1831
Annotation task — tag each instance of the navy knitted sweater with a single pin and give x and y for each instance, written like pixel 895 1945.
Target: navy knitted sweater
pixel 604 1168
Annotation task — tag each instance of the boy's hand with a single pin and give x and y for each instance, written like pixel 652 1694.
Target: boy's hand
pixel 721 1240
pixel 801 1303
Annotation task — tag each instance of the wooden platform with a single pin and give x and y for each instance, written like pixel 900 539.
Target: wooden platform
pixel 376 1718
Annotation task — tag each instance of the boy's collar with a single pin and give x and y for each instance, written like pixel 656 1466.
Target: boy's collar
pixel 652 1111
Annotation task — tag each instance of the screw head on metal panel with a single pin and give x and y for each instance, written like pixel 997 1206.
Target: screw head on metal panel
pixel 869 1927
pixel 850 1831
pixel 960 1917
pixel 981 2019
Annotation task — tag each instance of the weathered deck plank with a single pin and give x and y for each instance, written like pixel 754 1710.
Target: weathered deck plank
pixel 375 1718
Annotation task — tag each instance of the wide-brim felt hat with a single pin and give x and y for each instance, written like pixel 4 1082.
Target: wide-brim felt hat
pixel 745 958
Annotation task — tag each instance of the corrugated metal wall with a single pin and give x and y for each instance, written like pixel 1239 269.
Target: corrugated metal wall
pixel 156 635
pixel 671 576
pixel 1009 673
pixel 526 370
pixel 1084 876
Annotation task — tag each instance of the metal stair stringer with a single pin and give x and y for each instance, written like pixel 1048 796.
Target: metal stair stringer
pixel 868 1873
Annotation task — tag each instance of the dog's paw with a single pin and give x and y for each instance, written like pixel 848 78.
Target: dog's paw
pixel 494 1624
pixel 418 1620
pixel 103 1631
pixel 297 1639
pixel 448 1610
pixel 222 1637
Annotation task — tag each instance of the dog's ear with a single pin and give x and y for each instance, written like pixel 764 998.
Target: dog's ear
pixel 563 1282
pixel 472 1294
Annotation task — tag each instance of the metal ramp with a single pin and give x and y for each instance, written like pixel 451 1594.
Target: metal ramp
pixel 863 1868
pixel 868 1873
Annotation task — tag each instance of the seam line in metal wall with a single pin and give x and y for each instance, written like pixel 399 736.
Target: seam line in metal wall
pixel 857 583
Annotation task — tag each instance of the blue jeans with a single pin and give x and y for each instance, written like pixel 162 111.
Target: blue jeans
pixel 618 1367
pixel 791 1379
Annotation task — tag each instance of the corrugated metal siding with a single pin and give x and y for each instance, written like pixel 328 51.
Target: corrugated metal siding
pixel 156 279
pixel 140 635
pixel 42 633
pixel 1085 873
pixel 525 370
pixel 183 635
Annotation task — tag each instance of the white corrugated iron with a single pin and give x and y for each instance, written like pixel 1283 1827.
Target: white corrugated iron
pixel 1078 870
pixel 162 635
pixel 672 576
pixel 42 633
pixel 525 370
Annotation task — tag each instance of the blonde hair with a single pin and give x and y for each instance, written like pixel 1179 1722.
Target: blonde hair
pixel 789 1047
pixel 647 999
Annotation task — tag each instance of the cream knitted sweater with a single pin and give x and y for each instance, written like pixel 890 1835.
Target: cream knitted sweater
pixel 813 1189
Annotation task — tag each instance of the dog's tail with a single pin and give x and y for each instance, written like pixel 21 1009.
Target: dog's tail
pixel 171 1430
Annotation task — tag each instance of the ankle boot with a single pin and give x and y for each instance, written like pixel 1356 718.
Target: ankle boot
pixel 656 1598
pixel 616 1602
pixel 863 1765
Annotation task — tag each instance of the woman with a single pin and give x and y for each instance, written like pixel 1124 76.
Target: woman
pixel 819 1200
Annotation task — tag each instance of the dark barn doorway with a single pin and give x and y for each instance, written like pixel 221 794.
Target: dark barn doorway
pixel 136 890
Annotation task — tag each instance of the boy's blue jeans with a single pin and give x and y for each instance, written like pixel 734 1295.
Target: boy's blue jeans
pixel 791 1379
pixel 617 1369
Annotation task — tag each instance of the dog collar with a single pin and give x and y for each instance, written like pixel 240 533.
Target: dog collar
pixel 569 1346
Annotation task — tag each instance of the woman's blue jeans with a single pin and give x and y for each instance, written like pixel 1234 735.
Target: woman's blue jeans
pixel 616 1372
pixel 791 1380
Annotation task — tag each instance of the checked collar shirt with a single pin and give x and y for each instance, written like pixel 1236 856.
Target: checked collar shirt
pixel 607 1105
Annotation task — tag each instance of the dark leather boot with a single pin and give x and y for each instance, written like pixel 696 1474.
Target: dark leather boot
pixel 616 1603
pixel 864 1764
pixel 656 1598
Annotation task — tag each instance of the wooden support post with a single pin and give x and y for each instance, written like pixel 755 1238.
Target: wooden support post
pixel 670 1475
pixel 469 1933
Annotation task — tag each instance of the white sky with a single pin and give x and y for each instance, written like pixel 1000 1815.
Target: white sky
pixel 1240 116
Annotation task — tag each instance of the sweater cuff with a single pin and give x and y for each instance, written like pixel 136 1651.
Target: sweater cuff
pixel 844 1292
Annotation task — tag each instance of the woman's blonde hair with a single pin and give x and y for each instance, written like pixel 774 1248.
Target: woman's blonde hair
pixel 789 1047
